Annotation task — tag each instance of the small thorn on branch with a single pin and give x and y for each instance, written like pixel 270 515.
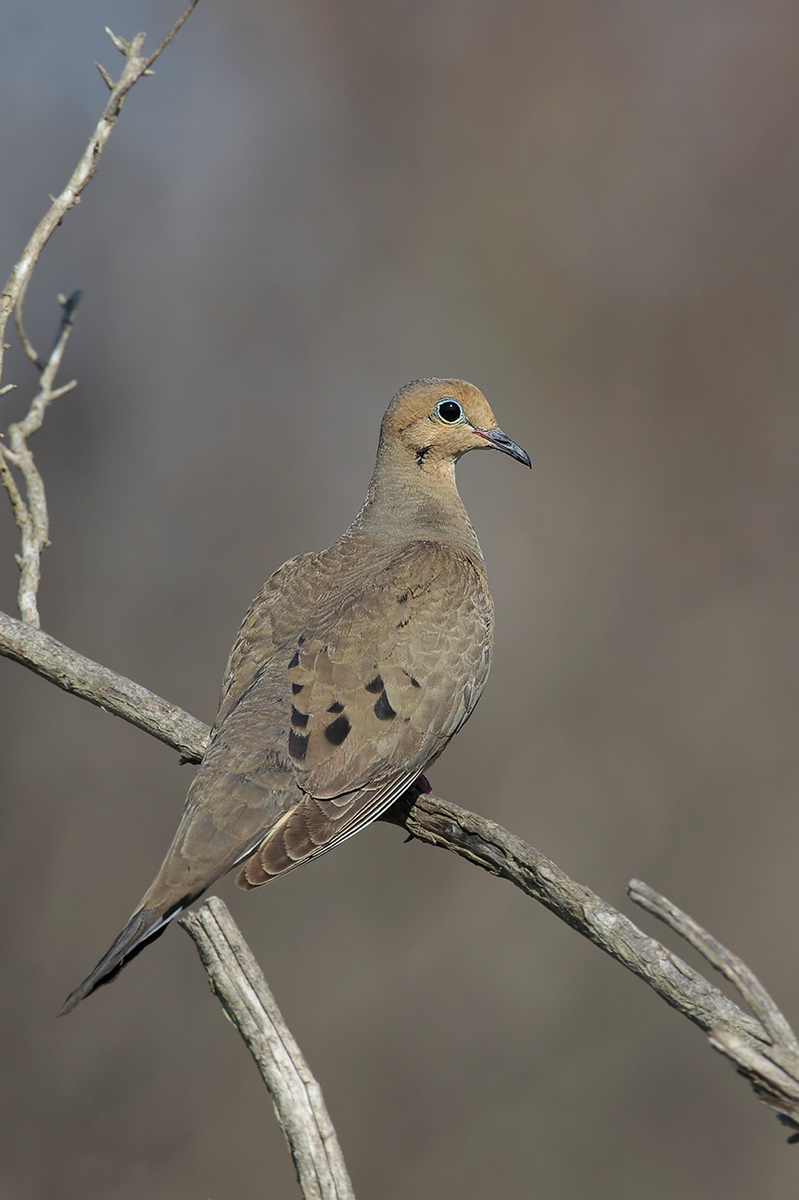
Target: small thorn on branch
pixel 62 391
pixel 107 80
pixel 122 46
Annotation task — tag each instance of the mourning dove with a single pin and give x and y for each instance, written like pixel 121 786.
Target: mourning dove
pixel 352 670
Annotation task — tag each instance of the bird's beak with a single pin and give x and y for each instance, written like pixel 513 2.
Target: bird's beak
pixel 501 441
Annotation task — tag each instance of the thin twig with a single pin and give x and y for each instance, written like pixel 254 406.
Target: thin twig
pixel 25 341
pixel 30 510
pixel 725 962
pixel 29 502
pixel 135 66
pixel 242 990
pixel 162 45
pixel 773 1069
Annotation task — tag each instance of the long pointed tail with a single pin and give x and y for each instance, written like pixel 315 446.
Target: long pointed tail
pixel 217 831
pixel 142 928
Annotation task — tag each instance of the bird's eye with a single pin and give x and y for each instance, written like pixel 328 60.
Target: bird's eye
pixel 449 411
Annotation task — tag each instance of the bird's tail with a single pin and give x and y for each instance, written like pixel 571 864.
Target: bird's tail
pixel 144 926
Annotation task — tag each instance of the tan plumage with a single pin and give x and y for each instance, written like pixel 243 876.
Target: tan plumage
pixel 351 671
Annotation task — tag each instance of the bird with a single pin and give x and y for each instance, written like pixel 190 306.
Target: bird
pixel 352 670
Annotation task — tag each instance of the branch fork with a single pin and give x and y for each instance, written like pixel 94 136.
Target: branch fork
pixel 29 502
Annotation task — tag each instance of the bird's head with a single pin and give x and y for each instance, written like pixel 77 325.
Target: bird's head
pixel 432 422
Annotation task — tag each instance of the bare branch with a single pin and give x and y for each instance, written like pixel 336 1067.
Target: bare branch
pixel 162 45
pixel 773 1069
pixel 488 845
pixel 107 80
pixel 135 66
pixel 763 1050
pixel 238 982
pixel 29 503
pixel 746 1039
pixel 71 671
pixel 30 510
pixel 27 345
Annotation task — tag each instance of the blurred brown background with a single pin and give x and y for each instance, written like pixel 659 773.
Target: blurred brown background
pixel 592 212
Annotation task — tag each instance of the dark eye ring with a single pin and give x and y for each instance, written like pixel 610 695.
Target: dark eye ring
pixel 449 411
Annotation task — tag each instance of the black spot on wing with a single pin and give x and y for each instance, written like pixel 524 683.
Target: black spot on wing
pixel 298 719
pixel 375 685
pixel 337 730
pixel 295 662
pixel 383 710
pixel 296 688
pixel 335 707
pixel 298 744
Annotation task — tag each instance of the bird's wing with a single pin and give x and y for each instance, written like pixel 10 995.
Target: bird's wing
pixel 377 688
pixel 320 732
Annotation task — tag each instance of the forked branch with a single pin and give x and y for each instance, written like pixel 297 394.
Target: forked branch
pixel 763 1047
pixel 29 501
pixel 136 65
pixel 25 488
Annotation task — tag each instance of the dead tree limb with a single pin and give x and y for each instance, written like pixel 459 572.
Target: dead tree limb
pixel 772 1067
pixel 30 508
pixel 762 1047
pixel 28 501
pixel 239 984
pixel 82 677
pixel 136 65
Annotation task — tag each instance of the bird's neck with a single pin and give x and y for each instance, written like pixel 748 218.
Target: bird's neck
pixel 416 502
